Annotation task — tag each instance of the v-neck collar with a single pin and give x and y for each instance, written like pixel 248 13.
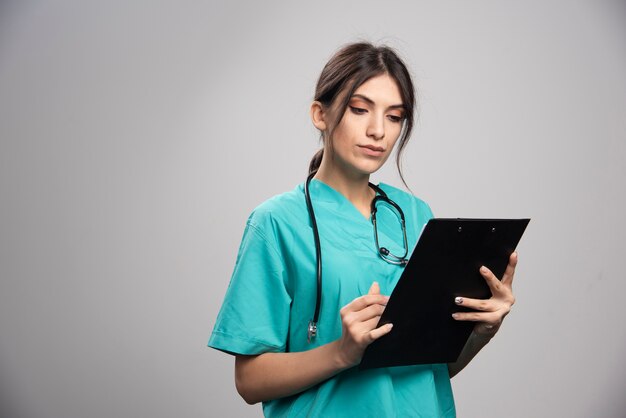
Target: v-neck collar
pixel 327 194
pixel 331 201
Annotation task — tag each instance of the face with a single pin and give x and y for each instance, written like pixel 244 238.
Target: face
pixel 370 127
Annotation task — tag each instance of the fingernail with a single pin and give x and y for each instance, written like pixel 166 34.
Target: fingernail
pixel 389 326
pixel 483 269
pixel 455 315
pixel 458 300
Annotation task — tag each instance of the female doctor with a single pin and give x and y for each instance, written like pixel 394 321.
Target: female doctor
pixel 295 349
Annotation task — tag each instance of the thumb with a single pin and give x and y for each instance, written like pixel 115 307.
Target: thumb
pixel 374 289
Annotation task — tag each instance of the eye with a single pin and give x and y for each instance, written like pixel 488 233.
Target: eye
pixel 395 118
pixel 358 110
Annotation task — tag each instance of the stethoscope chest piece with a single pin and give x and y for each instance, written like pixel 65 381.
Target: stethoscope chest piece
pixel 312 331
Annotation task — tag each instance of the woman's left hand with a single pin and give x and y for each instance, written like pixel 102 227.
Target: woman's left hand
pixel 489 313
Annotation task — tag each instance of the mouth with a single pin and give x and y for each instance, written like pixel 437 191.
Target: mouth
pixel 372 150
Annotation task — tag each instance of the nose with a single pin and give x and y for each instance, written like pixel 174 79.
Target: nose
pixel 376 127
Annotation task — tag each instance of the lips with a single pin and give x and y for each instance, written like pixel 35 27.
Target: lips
pixel 372 150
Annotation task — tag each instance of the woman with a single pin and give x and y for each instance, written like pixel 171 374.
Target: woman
pixel 298 357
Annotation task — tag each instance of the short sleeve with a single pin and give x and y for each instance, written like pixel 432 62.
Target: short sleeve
pixel 424 209
pixel 254 317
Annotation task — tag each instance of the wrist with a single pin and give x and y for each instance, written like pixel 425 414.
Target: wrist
pixel 481 338
pixel 340 360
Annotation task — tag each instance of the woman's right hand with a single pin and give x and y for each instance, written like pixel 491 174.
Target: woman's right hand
pixel 358 320
pixel 268 376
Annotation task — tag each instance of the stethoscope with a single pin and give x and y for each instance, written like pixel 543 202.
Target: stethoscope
pixel 383 252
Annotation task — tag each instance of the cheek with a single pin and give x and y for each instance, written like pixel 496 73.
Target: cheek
pixel 395 133
pixel 394 142
pixel 341 137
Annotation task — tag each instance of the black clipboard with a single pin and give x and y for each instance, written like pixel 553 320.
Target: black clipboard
pixel 443 265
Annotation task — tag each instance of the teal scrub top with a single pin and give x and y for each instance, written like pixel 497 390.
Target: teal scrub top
pixel 271 298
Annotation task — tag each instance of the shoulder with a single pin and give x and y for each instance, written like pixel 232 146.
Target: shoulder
pixel 407 201
pixel 278 211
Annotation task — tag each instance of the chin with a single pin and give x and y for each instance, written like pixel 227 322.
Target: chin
pixel 369 168
pixel 373 165
pixel 363 166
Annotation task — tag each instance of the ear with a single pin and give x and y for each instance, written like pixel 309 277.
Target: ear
pixel 318 115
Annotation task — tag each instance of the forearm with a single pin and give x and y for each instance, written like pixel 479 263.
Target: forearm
pixel 276 375
pixel 473 345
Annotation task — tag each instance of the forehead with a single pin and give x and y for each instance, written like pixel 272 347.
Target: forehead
pixel 382 89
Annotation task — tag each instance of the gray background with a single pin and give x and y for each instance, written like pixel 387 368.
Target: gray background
pixel 137 136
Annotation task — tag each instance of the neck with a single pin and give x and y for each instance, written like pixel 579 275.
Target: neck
pixel 354 186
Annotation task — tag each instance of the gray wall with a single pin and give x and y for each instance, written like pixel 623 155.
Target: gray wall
pixel 136 137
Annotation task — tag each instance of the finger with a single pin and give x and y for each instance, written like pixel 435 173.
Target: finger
pixel 484 305
pixel 366 314
pixel 374 289
pixel 491 318
pixel 360 330
pixel 507 277
pixel 492 281
pixel 364 301
pixel 380 331
pixel 371 324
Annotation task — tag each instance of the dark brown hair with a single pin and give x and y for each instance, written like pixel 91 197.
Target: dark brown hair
pixel 352 66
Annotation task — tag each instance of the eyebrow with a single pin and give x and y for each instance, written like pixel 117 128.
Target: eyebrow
pixel 370 101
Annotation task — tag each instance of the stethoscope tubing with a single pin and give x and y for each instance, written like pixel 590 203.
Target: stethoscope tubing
pixel 382 252
pixel 312 327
